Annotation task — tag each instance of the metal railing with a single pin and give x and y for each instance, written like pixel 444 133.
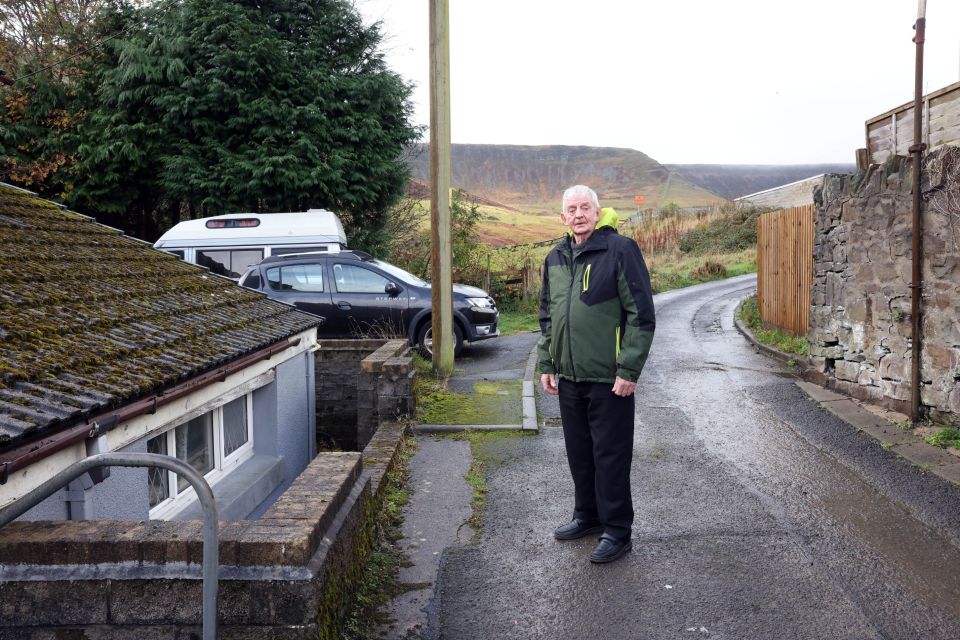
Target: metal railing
pixel 210 523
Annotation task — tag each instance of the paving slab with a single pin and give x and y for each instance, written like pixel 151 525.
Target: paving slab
pixel 818 393
pixel 924 454
pixel 852 413
pixel 949 472
pixel 888 434
pixel 459 428
pixel 433 521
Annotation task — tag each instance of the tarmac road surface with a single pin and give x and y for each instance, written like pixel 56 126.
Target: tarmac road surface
pixel 758 514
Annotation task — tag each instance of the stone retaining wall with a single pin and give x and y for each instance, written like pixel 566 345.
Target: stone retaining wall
pixel 359 384
pixel 288 575
pixel 860 322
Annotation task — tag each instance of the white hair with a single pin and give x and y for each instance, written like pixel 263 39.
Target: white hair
pixel 579 190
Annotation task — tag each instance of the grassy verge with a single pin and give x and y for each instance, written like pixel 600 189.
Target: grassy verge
pixel 379 583
pixel 750 315
pixel 518 322
pixel 674 270
pixel 492 402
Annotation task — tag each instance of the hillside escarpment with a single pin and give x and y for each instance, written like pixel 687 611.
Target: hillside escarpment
pixel 537 175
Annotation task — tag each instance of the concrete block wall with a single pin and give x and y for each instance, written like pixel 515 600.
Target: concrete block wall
pixel 360 384
pixel 860 322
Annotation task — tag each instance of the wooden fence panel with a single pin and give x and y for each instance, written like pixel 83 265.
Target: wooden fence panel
pixel 785 268
pixel 892 132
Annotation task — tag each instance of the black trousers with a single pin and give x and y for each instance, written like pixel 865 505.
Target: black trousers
pixel 598 432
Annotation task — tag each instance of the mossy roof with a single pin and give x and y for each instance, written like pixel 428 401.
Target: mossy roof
pixel 91 319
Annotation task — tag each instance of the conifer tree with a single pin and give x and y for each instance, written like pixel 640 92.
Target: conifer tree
pixel 203 108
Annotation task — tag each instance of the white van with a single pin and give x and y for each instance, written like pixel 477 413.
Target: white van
pixel 230 243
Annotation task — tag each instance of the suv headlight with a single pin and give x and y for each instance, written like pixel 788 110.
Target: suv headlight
pixel 480 302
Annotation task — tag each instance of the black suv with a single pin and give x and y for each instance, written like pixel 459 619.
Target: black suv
pixel 359 295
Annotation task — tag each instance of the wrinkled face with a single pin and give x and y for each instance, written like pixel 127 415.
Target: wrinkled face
pixel 580 216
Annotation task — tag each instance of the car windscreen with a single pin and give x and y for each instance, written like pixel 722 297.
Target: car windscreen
pixel 400 274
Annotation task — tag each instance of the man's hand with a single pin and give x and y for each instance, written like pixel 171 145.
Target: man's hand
pixel 549 382
pixel 623 388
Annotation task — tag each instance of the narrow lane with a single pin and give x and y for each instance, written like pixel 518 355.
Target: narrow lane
pixel 759 515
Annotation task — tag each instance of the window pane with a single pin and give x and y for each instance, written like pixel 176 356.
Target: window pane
pixel 252 280
pixel 217 261
pixel 195 446
pixel 229 263
pixel 352 279
pixel 273 278
pixel 158 479
pixel 234 425
pixel 241 260
pixel 302 277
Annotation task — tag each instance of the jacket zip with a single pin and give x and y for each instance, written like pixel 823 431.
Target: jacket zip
pixel 573 280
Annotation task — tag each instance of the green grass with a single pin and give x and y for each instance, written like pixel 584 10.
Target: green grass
pixel 668 271
pixel 944 438
pixel 518 322
pixel 750 315
pixel 496 402
pixel 673 270
pixel 487 452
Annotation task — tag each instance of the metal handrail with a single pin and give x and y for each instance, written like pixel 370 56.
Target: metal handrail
pixel 210 547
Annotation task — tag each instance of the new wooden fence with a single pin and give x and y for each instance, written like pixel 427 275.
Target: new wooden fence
pixel 785 268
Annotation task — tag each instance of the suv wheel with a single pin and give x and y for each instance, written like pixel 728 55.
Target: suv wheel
pixel 425 340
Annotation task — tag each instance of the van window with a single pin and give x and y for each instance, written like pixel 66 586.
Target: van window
pixel 230 263
pixel 176 252
pixel 307 278
pixel 285 251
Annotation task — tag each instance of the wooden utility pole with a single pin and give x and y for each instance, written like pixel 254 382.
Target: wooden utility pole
pixel 441 263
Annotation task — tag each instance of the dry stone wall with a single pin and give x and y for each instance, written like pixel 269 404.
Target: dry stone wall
pixel 860 322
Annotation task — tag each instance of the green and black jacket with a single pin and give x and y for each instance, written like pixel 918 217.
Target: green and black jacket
pixel 596 308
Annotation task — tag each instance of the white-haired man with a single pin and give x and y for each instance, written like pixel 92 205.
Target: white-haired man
pixel 597 321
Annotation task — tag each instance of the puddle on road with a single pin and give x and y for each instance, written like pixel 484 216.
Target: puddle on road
pixel 928 563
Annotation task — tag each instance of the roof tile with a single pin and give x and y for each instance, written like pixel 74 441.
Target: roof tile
pixel 90 318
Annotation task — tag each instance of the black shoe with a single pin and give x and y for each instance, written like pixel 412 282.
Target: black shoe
pixel 577 529
pixel 609 549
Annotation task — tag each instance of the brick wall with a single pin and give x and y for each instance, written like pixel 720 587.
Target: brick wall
pixel 288 575
pixel 860 322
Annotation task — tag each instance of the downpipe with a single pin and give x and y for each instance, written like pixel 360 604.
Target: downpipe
pixel 916 150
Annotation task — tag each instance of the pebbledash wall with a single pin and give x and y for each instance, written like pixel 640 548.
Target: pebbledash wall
pixel 860 320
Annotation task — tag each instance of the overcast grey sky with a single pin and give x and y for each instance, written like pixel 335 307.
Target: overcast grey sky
pixel 684 81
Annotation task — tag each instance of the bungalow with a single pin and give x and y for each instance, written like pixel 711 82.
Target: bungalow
pixel 107 344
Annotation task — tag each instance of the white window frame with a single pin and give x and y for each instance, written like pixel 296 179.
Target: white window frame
pixel 222 464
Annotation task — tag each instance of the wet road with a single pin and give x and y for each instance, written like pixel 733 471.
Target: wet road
pixel 758 515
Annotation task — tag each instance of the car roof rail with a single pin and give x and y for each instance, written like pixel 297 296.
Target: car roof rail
pixel 349 254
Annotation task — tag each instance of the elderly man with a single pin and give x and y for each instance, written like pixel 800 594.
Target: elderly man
pixel 597 318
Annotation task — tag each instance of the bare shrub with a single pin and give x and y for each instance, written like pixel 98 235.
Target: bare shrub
pixel 944 170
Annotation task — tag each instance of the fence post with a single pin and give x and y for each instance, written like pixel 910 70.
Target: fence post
pixel 486 276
